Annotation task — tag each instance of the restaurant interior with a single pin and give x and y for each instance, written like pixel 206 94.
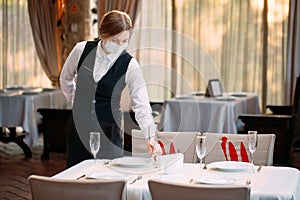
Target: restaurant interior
pixel 222 80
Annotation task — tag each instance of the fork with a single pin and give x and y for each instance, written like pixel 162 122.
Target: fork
pixel 134 180
pixel 248 182
pixel 259 168
pixel 80 177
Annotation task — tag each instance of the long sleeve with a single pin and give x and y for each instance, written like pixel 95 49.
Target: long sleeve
pixel 139 98
pixel 69 71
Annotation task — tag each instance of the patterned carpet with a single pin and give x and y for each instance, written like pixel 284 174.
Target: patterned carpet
pixel 15 168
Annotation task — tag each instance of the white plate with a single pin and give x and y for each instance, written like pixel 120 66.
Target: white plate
pixel 103 175
pixel 14 87
pixel 29 93
pixel 238 94
pixel 48 89
pixel 227 98
pixel 216 180
pixel 231 166
pixel 132 161
pixel 199 93
pixel 185 97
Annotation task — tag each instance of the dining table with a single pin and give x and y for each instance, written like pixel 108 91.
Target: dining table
pixel 270 182
pixel 196 112
pixel 19 106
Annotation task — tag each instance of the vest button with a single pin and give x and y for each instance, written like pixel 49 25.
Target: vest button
pixel 94 101
pixel 92 111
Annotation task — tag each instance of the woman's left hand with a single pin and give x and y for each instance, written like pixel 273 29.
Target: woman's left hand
pixel 154 148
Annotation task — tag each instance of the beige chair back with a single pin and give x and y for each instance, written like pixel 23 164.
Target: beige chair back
pixel 171 142
pixel 222 147
pixel 161 190
pixel 47 188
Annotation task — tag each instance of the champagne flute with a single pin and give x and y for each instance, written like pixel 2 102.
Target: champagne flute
pixel 94 143
pixel 201 147
pixel 252 143
pixel 153 141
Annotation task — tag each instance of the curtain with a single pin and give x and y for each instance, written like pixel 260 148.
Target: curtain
pixel 43 18
pixel 151 43
pixel 293 51
pixel 293 59
pixel 128 6
pixel 187 42
pixel 19 64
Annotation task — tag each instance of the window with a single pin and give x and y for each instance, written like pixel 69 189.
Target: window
pixel 19 63
pixel 187 42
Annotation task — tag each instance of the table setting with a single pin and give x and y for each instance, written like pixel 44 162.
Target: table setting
pixel 210 114
pixel 19 108
pixel 266 182
pixel 228 96
pixel 16 90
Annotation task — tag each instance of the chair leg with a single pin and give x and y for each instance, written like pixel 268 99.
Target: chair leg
pixel 45 155
pixel 27 151
pixel 16 139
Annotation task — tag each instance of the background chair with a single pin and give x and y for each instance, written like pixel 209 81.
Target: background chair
pixel 53 127
pixel 233 147
pixel 161 190
pixel 279 125
pixel 284 122
pixel 171 142
pixel 130 123
pixel 10 134
pixel 47 188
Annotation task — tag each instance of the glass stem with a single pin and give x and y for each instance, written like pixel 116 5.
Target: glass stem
pixel 200 164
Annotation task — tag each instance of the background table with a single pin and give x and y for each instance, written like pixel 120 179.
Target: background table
pixel 20 109
pixel 270 183
pixel 204 114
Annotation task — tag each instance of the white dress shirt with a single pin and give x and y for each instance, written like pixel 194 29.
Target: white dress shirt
pixel 103 62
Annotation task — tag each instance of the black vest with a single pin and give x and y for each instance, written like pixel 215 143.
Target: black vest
pixel 110 87
pixel 109 90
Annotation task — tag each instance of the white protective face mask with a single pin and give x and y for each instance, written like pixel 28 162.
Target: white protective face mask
pixel 112 47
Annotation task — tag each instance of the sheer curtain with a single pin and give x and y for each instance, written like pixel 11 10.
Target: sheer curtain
pixel 19 64
pixel 183 43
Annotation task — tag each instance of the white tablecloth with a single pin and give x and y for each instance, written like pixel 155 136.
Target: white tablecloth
pixel 280 183
pixel 21 110
pixel 204 114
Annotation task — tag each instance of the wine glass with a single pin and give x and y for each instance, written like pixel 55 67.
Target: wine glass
pixel 153 141
pixel 201 147
pixel 94 143
pixel 252 143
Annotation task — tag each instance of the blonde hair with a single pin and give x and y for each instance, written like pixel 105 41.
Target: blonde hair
pixel 113 23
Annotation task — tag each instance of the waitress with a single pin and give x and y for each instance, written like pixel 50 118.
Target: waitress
pixel 93 78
